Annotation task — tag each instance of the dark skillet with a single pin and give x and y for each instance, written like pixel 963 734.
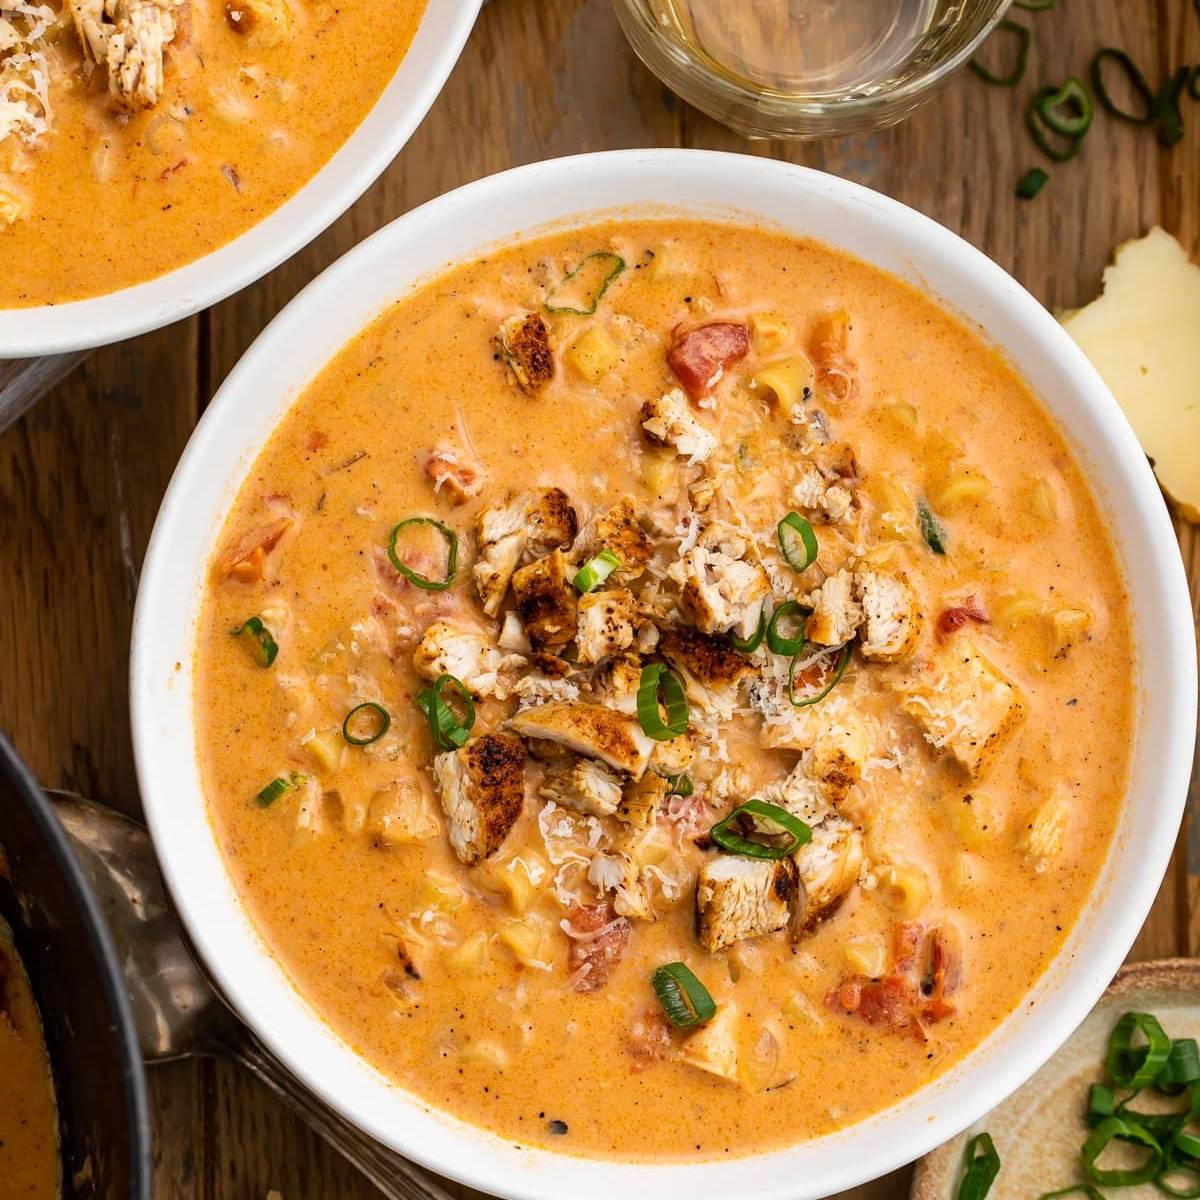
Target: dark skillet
pixel 67 951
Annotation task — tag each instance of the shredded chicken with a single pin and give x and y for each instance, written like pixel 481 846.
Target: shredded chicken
pixel 471 657
pixel 129 38
pixel 722 584
pixel 668 421
pixel 584 785
pixel 740 898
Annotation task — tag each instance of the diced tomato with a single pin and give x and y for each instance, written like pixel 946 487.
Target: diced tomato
pixel 246 561
pixel 952 619
pixel 906 941
pixel 890 1001
pixel 600 952
pixel 450 471
pixel 649 1039
pixel 829 348
pixel 700 356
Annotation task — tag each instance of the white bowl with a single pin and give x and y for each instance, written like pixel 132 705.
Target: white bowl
pixel 99 320
pixel 457 226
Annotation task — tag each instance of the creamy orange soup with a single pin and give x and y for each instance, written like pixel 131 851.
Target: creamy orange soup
pixel 139 135
pixel 29 1166
pixel 933 795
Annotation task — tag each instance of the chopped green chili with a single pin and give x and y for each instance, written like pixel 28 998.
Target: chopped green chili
pixel 581 290
pixel 1031 183
pixel 1067 110
pixel 777 641
pixel 797 541
pixel 366 723
pixel 595 571
pixel 751 817
pixel 685 1000
pixel 680 785
pixel 752 643
pixel 1014 76
pixel 1132 1066
pixel 836 678
pixel 256 637
pixel 931 528
pixel 1044 134
pixel 421 581
pixel 657 678
pixel 1166 107
pixel 278 786
pixel 1126 1131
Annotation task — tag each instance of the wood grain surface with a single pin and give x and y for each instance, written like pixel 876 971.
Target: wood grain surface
pixel 81 476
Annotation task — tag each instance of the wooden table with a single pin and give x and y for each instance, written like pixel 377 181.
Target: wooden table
pixel 82 475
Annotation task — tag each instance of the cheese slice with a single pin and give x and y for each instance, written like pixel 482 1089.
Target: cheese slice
pixel 1143 336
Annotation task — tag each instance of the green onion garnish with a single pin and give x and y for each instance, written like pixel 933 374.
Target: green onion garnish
pixel 256 637
pixel 1173 1167
pixel 1067 110
pixel 1031 183
pixel 981 1166
pixel 448 731
pixel 429 585
pixel 931 528
pixel 1043 132
pixel 595 571
pixel 1033 5
pixel 840 670
pixel 1166 107
pixel 656 679
pixel 365 723
pixel 278 787
pixel 581 291
pixel 685 1000
pixel 1013 77
pixel 752 817
pixel 1101 1103
pixel 778 642
pixel 1181 1068
pixel 1137 81
pixel 1132 1066
pixel 797 542
pixel 752 643
pixel 680 785
pixel 1126 1131
pixel 1186 1143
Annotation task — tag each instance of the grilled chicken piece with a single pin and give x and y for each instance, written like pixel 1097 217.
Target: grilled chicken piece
pixel 831 500
pixel 891 619
pixel 263 23
pixel 523 343
pixel 605 624
pixel 642 799
pixel 673 756
pixel 482 788
pixel 699 357
pixel 836 614
pixel 618 530
pixel 713 1047
pixel 711 661
pixel 723 585
pixel 527 525
pixel 546 602
pixel 399 815
pixel 828 866
pixel 128 37
pixel 472 658
pixel 614 738
pixel 619 874
pixel 964 704
pixel 668 421
pixel 825 772
pixel 585 786
pixel 740 898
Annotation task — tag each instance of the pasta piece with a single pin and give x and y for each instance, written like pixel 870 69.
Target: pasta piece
pixel 1041 500
pixel 959 489
pixel 471 956
pixel 905 887
pixel 440 892
pixel 866 955
pixel 1009 611
pixel 593 354
pixel 788 382
pixel 524 939
pixel 975 819
pixel 1068 627
pixel 485 1052
pixel 769 332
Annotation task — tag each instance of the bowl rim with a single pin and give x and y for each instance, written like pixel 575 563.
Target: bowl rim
pixel 385 128
pixel 936 1110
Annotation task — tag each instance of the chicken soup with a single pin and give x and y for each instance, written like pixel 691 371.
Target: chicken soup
pixel 664 691
pixel 138 135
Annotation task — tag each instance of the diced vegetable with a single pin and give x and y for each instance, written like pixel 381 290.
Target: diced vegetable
pixel 594 354
pixel 582 289
pixel 257 639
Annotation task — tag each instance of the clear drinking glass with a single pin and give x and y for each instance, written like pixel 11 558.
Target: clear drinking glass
pixel 806 68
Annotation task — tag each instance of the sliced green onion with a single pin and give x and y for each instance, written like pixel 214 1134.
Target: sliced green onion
pixel 1031 183
pixel 1033 5
pixel 1013 77
pixel 982 1165
pixel 429 585
pixel 797 542
pixel 449 731
pixel 1162 1125
pixel 1067 110
pixel 777 642
pixel 1127 1131
pixel 752 643
pixel 931 528
pixel 755 814
pixel 1181 1068
pixel 1089 1190
pixel 1137 81
pixel 656 679
pixel 1186 1143
pixel 1166 108
pixel 595 571
pixel 377 725
pixel 1174 1167
pixel 581 291
pixel 685 1000
pixel 256 637
pixel 1132 1066
pixel 278 786
pixel 680 785
pixel 1041 130
pixel 1101 1103
pixel 843 662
